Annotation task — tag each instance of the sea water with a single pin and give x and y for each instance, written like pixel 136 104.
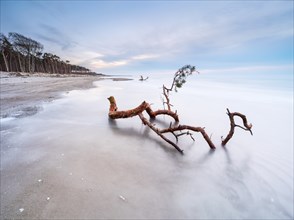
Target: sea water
pixel 93 167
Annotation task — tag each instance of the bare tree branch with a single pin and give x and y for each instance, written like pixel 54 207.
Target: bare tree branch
pixel 144 106
pixel 157 131
pixel 233 125
pixel 191 128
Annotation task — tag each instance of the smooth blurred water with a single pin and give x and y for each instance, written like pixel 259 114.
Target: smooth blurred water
pixel 93 167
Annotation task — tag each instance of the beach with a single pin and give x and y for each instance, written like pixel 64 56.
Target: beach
pixel 146 110
pixel 22 94
pixel 68 160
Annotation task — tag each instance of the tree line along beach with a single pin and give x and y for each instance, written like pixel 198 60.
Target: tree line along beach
pixel 29 76
pixel 23 54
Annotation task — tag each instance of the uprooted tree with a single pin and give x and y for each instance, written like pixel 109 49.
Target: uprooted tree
pixel 176 129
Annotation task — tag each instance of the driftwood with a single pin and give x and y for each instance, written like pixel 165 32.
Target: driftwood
pixel 144 106
pixel 142 78
pixel 176 130
pixel 247 127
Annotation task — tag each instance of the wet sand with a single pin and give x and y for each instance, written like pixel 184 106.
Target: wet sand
pixel 22 95
pixel 70 161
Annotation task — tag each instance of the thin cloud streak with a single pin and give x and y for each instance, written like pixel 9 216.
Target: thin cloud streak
pixel 54 35
pixel 151 35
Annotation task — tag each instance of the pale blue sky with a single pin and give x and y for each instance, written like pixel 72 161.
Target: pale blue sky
pixel 151 36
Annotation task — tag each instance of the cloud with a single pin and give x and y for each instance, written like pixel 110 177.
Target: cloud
pixel 145 56
pixel 91 54
pixel 227 26
pixel 184 32
pixel 99 63
pixel 53 35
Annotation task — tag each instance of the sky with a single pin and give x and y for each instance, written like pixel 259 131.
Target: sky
pixel 121 37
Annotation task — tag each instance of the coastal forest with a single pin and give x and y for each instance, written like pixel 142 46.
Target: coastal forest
pixel 23 54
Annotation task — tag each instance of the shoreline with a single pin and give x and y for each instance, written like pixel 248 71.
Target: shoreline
pixel 22 94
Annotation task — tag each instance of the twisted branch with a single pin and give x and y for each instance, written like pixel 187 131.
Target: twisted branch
pixel 247 127
pixel 191 128
pixel 157 131
pixel 144 106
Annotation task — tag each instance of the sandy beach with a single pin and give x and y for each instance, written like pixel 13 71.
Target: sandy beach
pixel 146 110
pixel 22 94
pixel 64 159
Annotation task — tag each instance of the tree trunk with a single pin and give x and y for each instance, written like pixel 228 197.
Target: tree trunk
pixel 20 64
pixel 5 61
